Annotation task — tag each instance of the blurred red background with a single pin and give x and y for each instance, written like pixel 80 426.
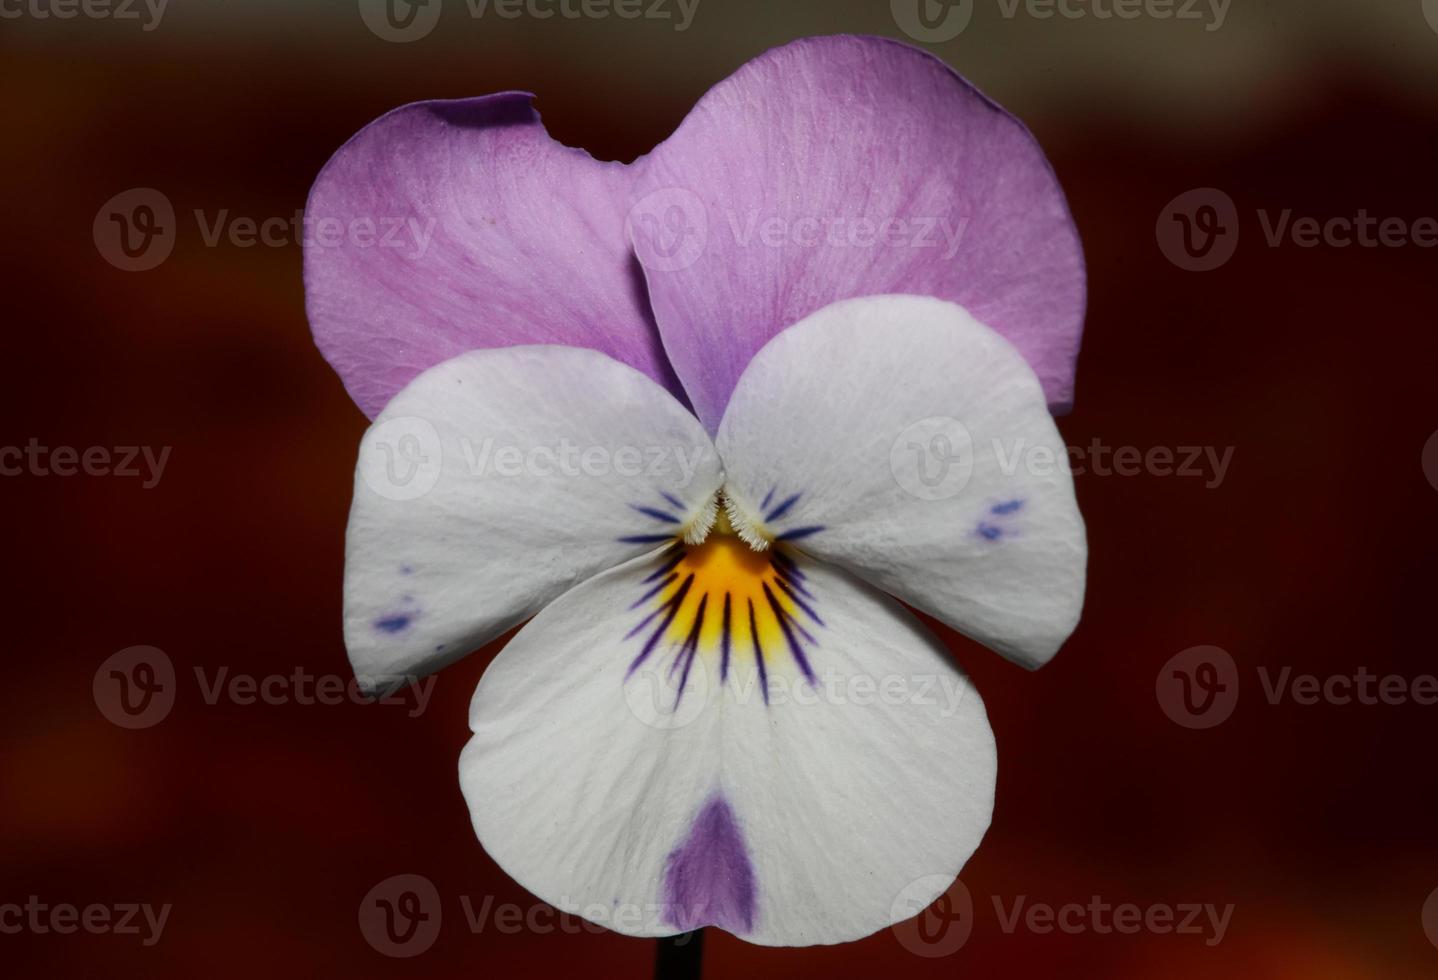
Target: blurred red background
pixel 265 826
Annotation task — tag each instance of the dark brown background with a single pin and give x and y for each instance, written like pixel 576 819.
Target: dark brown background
pixel 265 826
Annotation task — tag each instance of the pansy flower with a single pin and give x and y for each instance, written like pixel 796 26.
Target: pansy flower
pixel 704 424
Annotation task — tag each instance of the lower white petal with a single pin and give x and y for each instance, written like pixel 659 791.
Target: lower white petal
pixel 629 765
pixel 902 439
pixel 495 481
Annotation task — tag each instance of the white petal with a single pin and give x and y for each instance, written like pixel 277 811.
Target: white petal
pixel 661 797
pixel 497 480
pixel 904 440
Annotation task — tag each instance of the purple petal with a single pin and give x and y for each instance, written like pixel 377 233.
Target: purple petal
pixel 453 225
pixel 708 880
pixel 846 166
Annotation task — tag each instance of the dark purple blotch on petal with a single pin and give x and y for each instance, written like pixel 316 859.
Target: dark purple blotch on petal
pixel 397 623
pixel 708 879
pixel 989 532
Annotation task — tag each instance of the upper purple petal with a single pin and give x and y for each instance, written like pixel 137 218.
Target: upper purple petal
pixel 849 166
pixel 448 226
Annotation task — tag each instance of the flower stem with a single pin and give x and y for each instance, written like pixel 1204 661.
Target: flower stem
pixel 680 957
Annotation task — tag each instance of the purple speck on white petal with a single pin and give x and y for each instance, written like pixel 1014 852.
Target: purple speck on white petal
pixel 397 623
